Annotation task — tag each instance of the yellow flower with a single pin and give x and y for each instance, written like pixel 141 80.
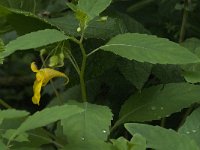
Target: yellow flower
pixel 43 76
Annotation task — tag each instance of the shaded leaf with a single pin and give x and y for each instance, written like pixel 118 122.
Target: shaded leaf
pixel 159 101
pixel 137 73
pixel 191 127
pixel 149 48
pixel 162 139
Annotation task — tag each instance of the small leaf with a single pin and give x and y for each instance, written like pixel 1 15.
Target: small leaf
pixel 91 124
pixel 162 139
pixel 137 143
pixel 159 101
pixel 34 40
pixel 149 48
pixel 191 127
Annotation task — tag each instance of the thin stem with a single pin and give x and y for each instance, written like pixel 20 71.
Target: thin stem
pixel 92 52
pixel 184 22
pixel 82 73
pixel 5 104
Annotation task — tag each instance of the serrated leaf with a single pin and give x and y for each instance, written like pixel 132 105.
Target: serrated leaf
pixel 47 116
pixel 92 124
pixel 12 113
pixel 162 139
pixel 93 7
pixel 159 101
pixel 137 73
pixel 34 40
pixel 191 127
pixel 137 143
pixel 149 48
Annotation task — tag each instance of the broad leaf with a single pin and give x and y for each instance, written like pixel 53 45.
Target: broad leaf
pixel 47 116
pixel 93 7
pixel 34 40
pixel 149 48
pixel 191 127
pixel 137 73
pixel 2 145
pixel 191 71
pixel 162 139
pixel 12 113
pixel 159 101
pixel 91 124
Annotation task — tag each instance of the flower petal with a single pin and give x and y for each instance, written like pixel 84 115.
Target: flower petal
pixel 34 67
pixel 50 74
pixel 36 89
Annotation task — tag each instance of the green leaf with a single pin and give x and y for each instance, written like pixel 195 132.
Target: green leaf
pixel 95 28
pixel 162 139
pixel 2 145
pixel 93 7
pixel 191 127
pixel 12 113
pixel 91 124
pixel 93 145
pixel 137 73
pixel 149 48
pixel 137 143
pixel 22 137
pixel 34 40
pixel 47 116
pixel 191 71
pixel 159 101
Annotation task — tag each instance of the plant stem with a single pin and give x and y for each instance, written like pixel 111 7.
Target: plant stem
pixel 82 73
pixel 139 5
pixel 5 104
pixel 184 22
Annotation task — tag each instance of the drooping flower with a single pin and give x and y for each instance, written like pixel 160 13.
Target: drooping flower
pixel 43 76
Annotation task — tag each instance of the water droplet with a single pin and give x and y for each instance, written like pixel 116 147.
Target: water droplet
pixel 82 138
pixel 104 131
pixel 161 108
pixel 187 132
pixel 153 108
pixel 194 131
